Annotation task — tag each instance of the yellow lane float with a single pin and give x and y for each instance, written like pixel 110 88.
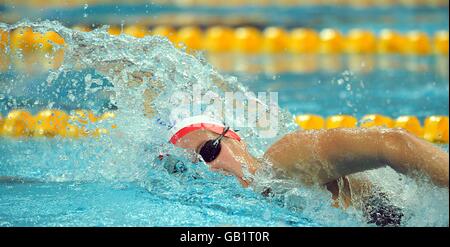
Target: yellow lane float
pixel 191 37
pixel 18 123
pixel 341 121
pixel 361 41
pixel 375 120
pixel 410 124
pixel 219 39
pixel 310 122
pixel 303 40
pixel 331 41
pixel 48 40
pixel 114 30
pixel 4 58
pixel 389 42
pixel 276 40
pixel 1 124
pixel 83 117
pixel 50 122
pixel 136 31
pixel 166 31
pixel 3 40
pixel 106 116
pixel 22 39
pixel 417 43
pixel 248 40
pixel 436 129
pixel 441 43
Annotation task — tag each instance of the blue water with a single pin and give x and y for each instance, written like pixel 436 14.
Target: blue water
pixel 401 18
pixel 67 185
pixel 128 204
pixel 393 92
pixel 72 182
pixel 114 181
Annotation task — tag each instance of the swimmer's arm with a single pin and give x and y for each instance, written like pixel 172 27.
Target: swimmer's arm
pixel 326 155
pixel 409 154
pixel 111 67
pixel 114 69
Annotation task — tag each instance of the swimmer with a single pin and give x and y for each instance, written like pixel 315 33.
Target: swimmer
pixel 315 157
pixel 323 157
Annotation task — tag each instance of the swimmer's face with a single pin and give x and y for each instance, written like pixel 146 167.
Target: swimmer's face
pixel 232 155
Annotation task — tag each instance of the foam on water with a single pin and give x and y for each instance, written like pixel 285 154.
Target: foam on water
pixel 422 203
pixel 129 153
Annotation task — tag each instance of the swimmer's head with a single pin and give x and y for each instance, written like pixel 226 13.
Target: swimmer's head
pixel 201 122
pixel 219 146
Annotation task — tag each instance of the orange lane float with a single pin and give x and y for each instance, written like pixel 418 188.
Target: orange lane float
pixel 84 123
pixel 310 122
pixel 219 39
pixel 435 128
pixel 341 121
pixel 410 124
pixel 250 40
pixel 304 40
pixel 18 123
pixel 51 123
pixel 376 120
pixel 191 37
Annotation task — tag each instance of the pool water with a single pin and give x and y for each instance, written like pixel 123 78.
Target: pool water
pixel 80 182
pixel 401 18
pixel 392 93
pixel 115 181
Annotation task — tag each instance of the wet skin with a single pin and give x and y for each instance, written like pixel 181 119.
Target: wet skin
pixel 233 153
pixel 315 157
pixel 327 156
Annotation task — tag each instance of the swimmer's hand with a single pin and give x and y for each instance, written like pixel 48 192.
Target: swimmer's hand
pixel 326 155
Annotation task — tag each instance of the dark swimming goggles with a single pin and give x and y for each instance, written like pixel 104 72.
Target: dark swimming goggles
pixel 210 150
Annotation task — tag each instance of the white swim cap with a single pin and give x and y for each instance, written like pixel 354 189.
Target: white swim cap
pixel 200 122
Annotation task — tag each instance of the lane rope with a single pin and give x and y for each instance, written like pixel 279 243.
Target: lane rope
pixel 250 40
pixel 51 123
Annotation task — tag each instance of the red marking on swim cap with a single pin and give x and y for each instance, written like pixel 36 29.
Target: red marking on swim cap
pixel 203 126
